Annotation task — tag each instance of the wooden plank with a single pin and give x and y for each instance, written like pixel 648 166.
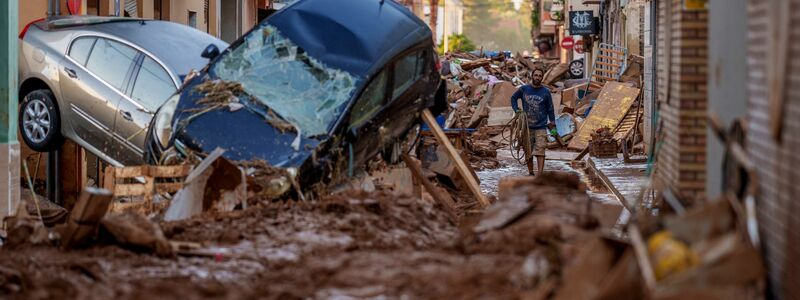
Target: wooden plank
pixel 168 187
pixel 460 165
pixel 637 241
pixel 129 172
pixel 417 172
pixel 81 226
pixel 609 185
pixel 604 77
pixel 608 64
pixel 604 71
pixel 612 51
pixel 134 189
pixel 170 171
pixel 612 105
pixel 601 57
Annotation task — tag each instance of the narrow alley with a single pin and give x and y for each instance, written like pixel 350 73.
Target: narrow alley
pixel 398 149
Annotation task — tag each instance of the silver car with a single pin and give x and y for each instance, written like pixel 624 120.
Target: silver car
pixel 98 80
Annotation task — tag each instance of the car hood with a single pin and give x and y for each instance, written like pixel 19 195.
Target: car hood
pixel 244 133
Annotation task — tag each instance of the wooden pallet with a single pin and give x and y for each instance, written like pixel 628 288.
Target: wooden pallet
pixel 141 182
pixel 609 64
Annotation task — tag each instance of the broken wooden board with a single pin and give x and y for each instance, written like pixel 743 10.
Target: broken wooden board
pixel 461 166
pixel 569 96
pixel 442 198
pixel 611 106
pixel 85 217
pixel 628 123
pixel 555 74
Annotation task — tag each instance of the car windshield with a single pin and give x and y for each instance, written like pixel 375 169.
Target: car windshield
pixel 281 75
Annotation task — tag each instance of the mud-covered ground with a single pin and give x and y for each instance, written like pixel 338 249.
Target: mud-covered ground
pixel 350 245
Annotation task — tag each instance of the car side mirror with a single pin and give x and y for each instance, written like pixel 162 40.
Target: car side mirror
pixel 210 52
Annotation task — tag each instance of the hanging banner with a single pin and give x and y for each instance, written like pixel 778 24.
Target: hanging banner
pixel 581 22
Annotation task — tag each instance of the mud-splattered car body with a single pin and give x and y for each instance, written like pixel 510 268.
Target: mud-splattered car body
pixel 319 87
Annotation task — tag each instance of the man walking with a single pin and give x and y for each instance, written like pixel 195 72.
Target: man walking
pixel 538 108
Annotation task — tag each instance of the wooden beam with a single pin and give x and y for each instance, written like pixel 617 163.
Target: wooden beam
pixel 642 257
pixel 417 172
pixel 461 166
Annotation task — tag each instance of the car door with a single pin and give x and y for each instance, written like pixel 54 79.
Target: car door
pixel 91 79
pixel 401 110
pixel 150 87
pixel 362 120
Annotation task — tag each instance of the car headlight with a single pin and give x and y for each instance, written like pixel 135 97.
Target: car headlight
pixel 163 124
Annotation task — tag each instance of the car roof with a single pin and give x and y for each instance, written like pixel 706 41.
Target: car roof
pixel 358 36
pixel 168 41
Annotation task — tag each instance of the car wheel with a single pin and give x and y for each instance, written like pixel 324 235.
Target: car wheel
pixel 40 122
pixel 576 69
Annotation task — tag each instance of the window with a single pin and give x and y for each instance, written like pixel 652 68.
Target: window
pixel 296 86
pixel 192 19
pixel 153 85
pixel 110 61
pixel 370 101
pixel 80 49
pixel 407 70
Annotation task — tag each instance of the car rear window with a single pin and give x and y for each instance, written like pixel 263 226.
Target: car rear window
pixel 153 85
pixel 407 70
pixel 80 49
pixel 110 61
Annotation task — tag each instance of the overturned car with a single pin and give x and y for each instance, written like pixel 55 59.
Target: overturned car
pixel 318 88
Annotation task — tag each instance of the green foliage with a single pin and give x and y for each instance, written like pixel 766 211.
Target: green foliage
pixel 495 25
pixel 457 43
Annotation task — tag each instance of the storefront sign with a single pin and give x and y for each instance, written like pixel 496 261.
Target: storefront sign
pixel 581 22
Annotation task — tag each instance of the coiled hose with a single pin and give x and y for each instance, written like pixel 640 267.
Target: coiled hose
pixel 519 138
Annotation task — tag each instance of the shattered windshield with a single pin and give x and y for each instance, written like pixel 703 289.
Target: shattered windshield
pixel 278 73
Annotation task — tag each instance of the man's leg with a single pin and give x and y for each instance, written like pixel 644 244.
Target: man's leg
pixel 540 164
pixel 529 160
pixel 539 147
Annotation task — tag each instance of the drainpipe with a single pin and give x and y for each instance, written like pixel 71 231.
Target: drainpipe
pixel 116 8
pixel 57 11
pixel 49 8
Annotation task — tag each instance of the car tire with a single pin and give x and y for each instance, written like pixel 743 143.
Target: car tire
pixel 576 69
pixel 40 122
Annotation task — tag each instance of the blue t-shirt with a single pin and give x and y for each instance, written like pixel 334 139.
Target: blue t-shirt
pixel 537 104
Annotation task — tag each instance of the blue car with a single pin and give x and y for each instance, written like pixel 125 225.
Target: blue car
pixel 319 87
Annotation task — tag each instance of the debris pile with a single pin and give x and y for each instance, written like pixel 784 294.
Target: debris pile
pixel 479 92
pixel 603 144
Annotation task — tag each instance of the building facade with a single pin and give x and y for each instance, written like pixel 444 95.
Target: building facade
pixel 225 19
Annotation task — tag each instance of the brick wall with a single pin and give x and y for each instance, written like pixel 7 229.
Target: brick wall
pixel 682 154
pixel 778 163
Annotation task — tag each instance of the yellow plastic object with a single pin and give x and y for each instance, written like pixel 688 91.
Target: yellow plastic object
pixel 669 255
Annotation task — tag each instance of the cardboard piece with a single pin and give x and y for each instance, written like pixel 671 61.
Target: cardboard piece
pixel 501 94
pixel 215 184
pixel 398 179
pixel 500 116
pixel 611 106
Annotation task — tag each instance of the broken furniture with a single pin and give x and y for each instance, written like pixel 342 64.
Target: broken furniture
pixel 140 183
